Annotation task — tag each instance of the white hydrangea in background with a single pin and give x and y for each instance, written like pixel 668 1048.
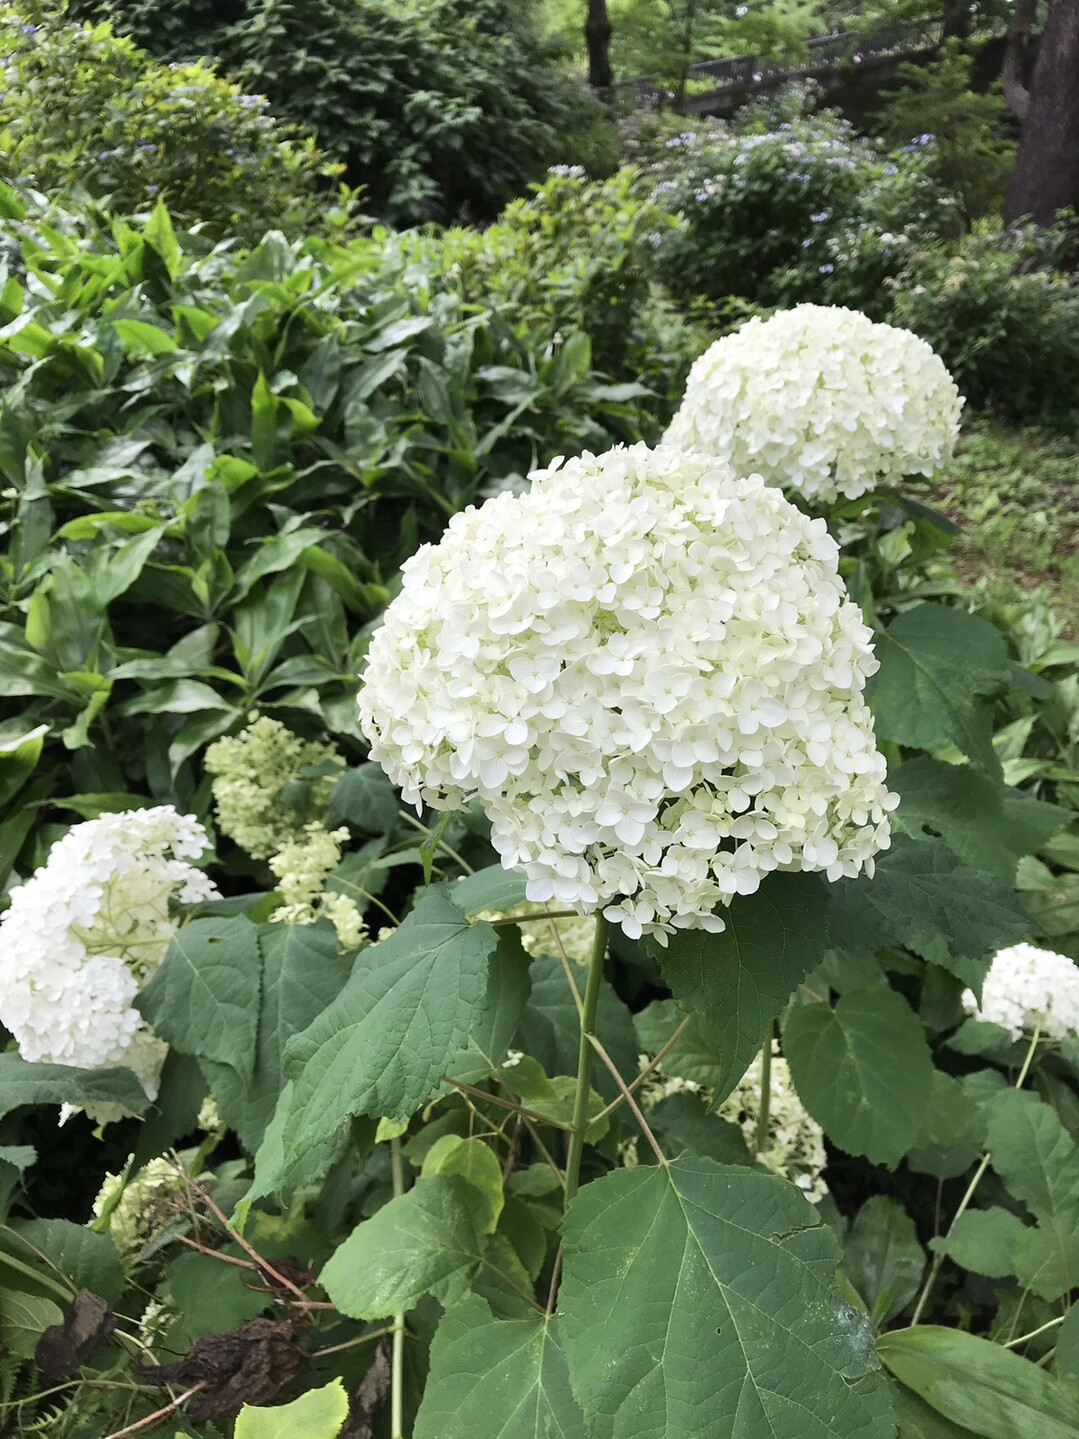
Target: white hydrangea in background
pixel 795 1141
pixel 1028 987
pixel 823 400
pixel 249 772
pixel 301 869
pixel 649 674
pixel 141 1206
pixel 87 930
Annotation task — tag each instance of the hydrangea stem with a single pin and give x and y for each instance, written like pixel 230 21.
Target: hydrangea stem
pixel 764 1114
pixel 397 1373
pixel 584 1057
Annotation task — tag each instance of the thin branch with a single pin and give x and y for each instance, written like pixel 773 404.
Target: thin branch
pixel 534 918
pixel 509 1104
pixel 1023 1338
pixel 354 1343
pixel 158 1414
pixel 650 1068
pixel 556 1275
pixel 638 1116
pixel 216 1254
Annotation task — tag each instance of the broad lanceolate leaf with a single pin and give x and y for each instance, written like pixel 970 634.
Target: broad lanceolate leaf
pixel 401 1021
pixel 205 997
pixel 24 1083
pixel 981 1386
pixel 883 1259
pixel 937 666
pixel 698 1300
pixel 968 811
pixel 863 1070
pixel 303 970
pixel 318 1414
pixel 920 888
pixel 1039 1162
pixel 429 1240
pixel 502 1379
pixel 740 979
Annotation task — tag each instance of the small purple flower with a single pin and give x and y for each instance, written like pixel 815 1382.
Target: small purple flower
pixel 825 269
pixel 891 169
pixel 819 216
pixel 152 189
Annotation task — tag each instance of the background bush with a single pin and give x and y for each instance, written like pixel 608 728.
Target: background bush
pixel 82 106
pixel 438 108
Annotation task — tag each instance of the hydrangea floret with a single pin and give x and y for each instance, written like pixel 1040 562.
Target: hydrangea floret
pixel 1028 988
pixel 140 1206
pixel 822 400
pixel 301 869
pixel 794 1146
pixel 249 772
pixel 648 673
pixel 88 929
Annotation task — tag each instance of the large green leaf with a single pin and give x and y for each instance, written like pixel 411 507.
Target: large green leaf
pixel 303 970
pixel 365 797
pixel 57 1246
pixel 882 1258
pixel 698 1300
pixel 968 811
pixel 318 1414
pixel 739 980
pixel 937 666
pixel 921 888
pixel 428 1241
pixel 983 1240
pixel 863 1070
pixel 502 1379
pixel 508 988
pixel 400 1023
pixel 1039 1162
pixel 205 997
pixel 25 1083
pixel 981 1386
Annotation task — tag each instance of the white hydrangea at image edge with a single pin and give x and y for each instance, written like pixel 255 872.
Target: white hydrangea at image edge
pixel 821 400
pixel 648 672
pixel 87 930
pixel 1027 987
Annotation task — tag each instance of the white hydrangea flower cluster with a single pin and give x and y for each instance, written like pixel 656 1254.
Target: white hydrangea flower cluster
pixel 88 929
pixel 649 674
pixel 1028 987
pixel 142 1206
pixel 795 1143
pixel 823 400
pixel 250 770
pixel 301 869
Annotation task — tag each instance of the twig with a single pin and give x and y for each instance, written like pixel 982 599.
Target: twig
pixel 158 1414
pixel 354 1343
pixel 509 1104
pixel 556 1275
pixel 1052 1324
pixel 216 1254
pixel 638 1116
pixel 650 1068
pixel 534 918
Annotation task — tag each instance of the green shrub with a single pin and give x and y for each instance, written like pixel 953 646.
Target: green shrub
pixel 579 253
pixel 805 210
pixel 83 106
pixel 213 467
pixel 438 108
pixel 1004 319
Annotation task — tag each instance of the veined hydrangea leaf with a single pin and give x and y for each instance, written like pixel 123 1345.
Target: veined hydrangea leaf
pixel 24 1083
pixel 318 1414
pixel 502 1379
pixel 698 1300
pixel 740 980
pixel 863 1070
pixel 937 666
pixel 401 1021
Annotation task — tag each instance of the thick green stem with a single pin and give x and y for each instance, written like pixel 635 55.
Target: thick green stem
pixel 397 1375
pixel 584 1057
pixel 764 1114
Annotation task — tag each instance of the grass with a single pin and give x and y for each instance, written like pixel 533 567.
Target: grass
pixel 1015 494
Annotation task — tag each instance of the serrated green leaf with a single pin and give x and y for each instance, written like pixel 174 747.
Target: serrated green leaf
pixel 428 1241
pixel 883 1259
pixel 205 997
pixel 211 1296
pixel 24 1083
pixel 682 1123
pixel 508 989
pixel 920 888
pixel 937 666
pixel 383 1046
pixel 476 1163
pixel 318 1414
pixel 863 1070
pixel 303 970
pixel 983 1240
pixel 698 1300
pixel 493 888
pixel 550 1028
pixel 981 1386
pixel 85 1259
pixel 1038 1160
pixel 694 1055
pixel 740 980
pixel 365 797
pixel 23 1320
pixel 504 1379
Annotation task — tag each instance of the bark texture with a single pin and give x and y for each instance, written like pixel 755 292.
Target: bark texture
pixel 597 34
pixel 1046 175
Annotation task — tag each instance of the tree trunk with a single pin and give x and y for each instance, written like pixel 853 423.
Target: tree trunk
pixel 597 35
pixel 1046 175
pixel 958 21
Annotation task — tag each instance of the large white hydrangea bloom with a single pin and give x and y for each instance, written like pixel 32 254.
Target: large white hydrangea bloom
pixel 822 400
pixel 648 673
pixel 1028 987
pixel 87 930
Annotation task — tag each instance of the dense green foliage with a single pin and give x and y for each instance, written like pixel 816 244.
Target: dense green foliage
pixel 82 106
pixel 437 108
